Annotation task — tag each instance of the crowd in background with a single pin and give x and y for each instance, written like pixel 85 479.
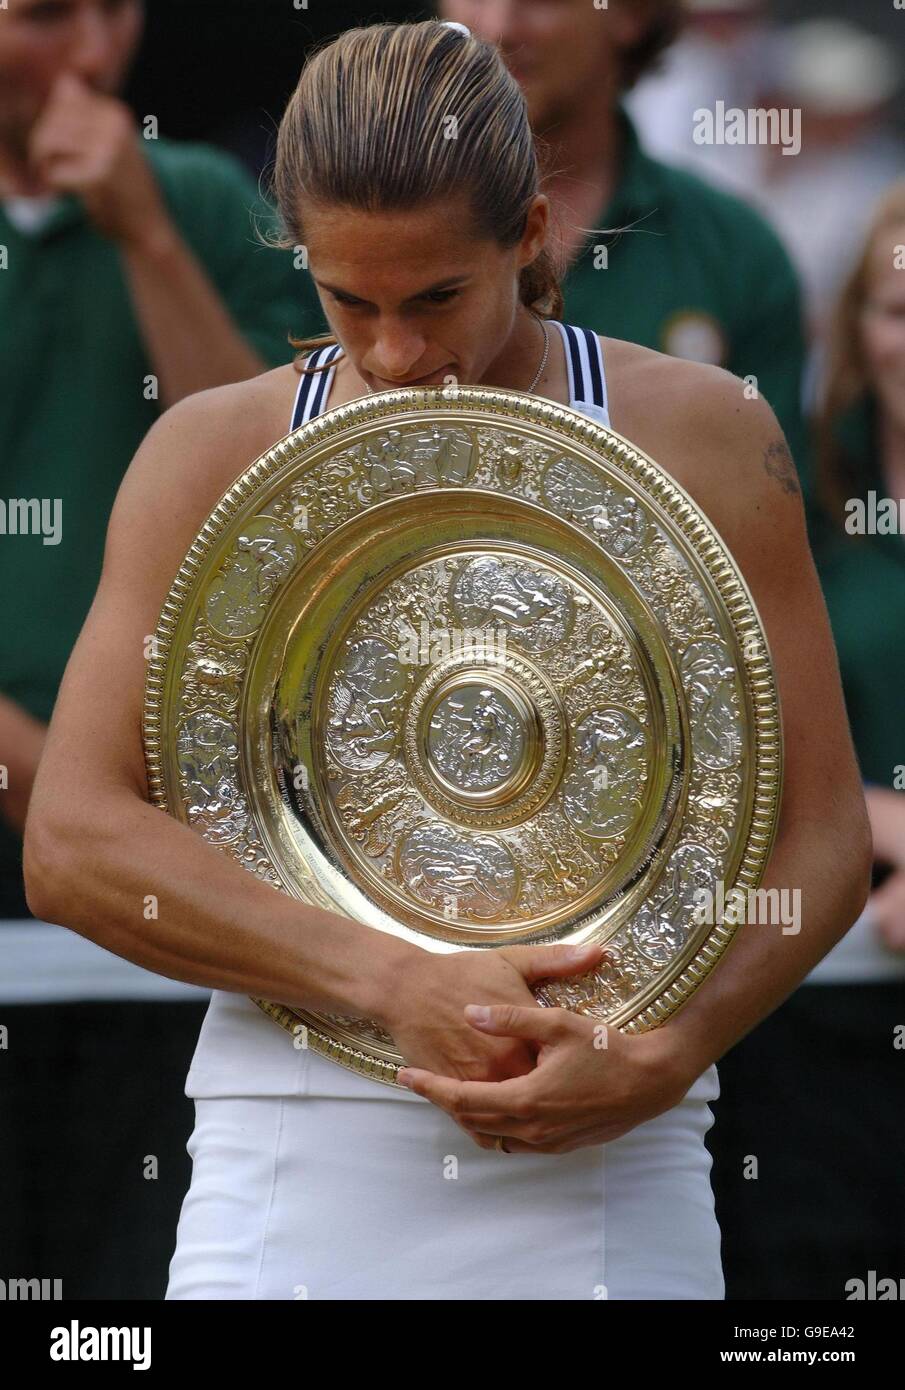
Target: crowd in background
pixel 132 277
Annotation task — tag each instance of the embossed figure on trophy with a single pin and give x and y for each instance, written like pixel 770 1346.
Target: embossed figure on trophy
pixel 476 739
pixel 263 555
pixel 510 464
pixel 363 726
pixel 364 705
pixel 468 882
pixel 441 457
pixel 603 789
pixel 615 518
pixel 364 816
pixel 717 801
pixel 211 675
pixel 523 603
pixel 270 559
pixel 530 600
pixel 610 660
pixel 437 861
pixel 471 881
pixel 431 458
pixel 483 742
pixel 208 757
pixel 414 608
pixel 619 524
pixel 710 684
pixel 662 924
pixel 559 874
pixel 388 469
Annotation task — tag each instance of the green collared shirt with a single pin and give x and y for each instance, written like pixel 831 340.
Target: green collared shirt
pixel 74 403
pixel 699 274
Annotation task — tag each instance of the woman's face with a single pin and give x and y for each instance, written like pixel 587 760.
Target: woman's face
pixel 415 297
pixel 883 322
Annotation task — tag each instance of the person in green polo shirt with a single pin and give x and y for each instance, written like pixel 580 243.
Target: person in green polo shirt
pixel 131 275
pixel 695 273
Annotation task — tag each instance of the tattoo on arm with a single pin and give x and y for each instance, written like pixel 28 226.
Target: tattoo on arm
pixel 779 464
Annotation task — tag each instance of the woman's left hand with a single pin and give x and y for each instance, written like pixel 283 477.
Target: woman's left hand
pixel 591 1084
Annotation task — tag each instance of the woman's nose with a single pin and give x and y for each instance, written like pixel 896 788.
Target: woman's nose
pixel 397 352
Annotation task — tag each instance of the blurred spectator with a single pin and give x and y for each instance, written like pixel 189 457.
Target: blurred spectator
pixel 862 451
pixel 815 1092
pixel 842 80
pixel 722 54
pixel 130 276
pixel 696 273
pixel 839 77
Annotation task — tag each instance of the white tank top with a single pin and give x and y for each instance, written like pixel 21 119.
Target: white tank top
pixel 241 1051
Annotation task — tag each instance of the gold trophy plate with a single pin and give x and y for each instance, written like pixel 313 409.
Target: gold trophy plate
pixel 465 666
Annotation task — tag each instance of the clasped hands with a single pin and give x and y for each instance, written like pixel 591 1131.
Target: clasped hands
pixel 546 1079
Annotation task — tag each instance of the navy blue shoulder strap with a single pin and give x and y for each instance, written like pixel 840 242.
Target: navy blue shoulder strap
pixel 314 387
pixel 584 359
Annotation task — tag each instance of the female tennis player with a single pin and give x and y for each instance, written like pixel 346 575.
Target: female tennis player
pixel 523 1162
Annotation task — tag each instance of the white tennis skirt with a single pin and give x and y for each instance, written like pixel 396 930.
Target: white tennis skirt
pixel 326 1197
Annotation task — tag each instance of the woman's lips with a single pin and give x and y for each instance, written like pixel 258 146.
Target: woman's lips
pixel 441 372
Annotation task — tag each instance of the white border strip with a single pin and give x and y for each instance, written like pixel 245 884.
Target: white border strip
pixel 44 964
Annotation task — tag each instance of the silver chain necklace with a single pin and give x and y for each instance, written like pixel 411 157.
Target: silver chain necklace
pixel 543 361
pixel 538 374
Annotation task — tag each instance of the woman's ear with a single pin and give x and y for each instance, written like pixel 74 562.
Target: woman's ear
pixel 534 237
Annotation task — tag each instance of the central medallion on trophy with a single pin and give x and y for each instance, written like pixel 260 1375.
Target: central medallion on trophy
pixel 478 737
pixel 484 740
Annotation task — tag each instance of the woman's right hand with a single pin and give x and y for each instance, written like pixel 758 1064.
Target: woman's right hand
pixel 426 1015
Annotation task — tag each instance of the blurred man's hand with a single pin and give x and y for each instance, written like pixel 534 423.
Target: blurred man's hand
pixel 887 906
pixel 886 809
pixel 87 144
pixel 21 744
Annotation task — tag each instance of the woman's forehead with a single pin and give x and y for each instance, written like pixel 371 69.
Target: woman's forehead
pixel 409 249
pixel 451 217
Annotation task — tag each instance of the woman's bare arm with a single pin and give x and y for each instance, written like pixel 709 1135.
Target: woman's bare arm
pixel 96 853
pixel 739 470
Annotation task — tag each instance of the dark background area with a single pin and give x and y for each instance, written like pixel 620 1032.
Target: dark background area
pixel 222 70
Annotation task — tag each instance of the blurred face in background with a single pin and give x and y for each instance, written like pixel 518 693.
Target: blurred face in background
pixel 725 23
pixel 557 50
pixel 883 323
pixel 40 40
